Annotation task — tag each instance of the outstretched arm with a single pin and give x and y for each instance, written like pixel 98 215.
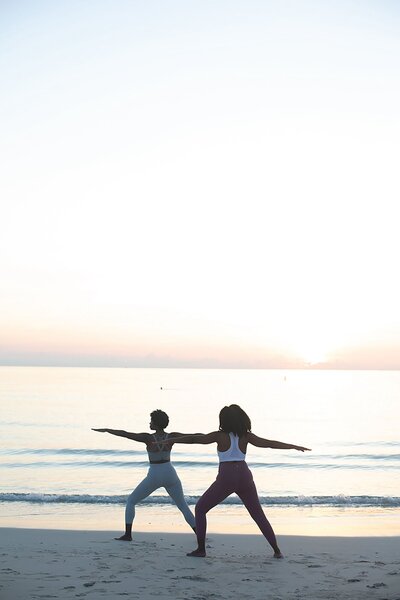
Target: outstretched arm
pixel 263 443
pixel 195 438
pixel 137 437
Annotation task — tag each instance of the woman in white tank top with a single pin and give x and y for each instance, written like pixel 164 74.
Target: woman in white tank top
pixel 234 476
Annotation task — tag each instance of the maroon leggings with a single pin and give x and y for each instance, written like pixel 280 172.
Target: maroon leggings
pixel 233 477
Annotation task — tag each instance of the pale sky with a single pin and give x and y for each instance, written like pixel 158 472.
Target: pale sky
pixel 200 183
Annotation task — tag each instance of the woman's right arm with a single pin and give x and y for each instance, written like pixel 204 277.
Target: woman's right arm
pixel 196 438
pixel 264 443
pixel 137 437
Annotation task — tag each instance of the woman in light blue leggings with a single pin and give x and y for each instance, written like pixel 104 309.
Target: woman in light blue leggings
pixel 161 473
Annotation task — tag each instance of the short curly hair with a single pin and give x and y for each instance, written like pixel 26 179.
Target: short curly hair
pixel 233 419
pixel 159 418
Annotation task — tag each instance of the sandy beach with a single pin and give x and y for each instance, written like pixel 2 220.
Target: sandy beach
pixel 40 563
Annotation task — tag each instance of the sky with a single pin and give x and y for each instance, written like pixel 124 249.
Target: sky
pixel 200 184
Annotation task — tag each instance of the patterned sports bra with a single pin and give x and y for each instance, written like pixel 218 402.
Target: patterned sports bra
pixel 161 451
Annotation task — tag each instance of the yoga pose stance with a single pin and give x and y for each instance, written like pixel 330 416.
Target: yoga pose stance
pixel 161 473
pixel 234 476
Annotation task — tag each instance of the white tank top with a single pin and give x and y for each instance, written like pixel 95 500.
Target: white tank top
pixel 234 452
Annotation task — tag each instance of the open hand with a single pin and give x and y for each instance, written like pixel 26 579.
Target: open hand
pixel 302 449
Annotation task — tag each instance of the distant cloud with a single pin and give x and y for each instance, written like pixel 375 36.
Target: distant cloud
pixel 363 358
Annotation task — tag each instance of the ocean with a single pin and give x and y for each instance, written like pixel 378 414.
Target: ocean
pixel 56 472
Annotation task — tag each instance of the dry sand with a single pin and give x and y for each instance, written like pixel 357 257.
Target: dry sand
pixel 39 563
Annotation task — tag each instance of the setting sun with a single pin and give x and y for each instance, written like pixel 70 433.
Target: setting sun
pixel 313 355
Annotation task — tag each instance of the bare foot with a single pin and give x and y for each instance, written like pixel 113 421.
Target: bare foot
pixel 124 538
pixel 278 554
pixel 197 553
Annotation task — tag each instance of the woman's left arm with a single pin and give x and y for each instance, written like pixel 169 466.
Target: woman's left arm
pixel 136 437
pixel 194 438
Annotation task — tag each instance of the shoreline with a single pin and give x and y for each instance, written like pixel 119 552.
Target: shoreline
pixel 46 563
pixel 303 521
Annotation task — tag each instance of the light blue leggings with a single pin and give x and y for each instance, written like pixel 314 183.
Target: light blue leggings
pixel 161 475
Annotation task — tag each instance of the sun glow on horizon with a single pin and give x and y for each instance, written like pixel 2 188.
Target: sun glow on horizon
pixel 311 351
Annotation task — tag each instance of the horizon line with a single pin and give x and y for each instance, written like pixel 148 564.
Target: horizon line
pixel 310 367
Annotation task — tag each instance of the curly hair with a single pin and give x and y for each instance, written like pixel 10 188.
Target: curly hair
pixel 233 419
pixel 159 418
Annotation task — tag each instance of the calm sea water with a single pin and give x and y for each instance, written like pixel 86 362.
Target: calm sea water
pixel 50 456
